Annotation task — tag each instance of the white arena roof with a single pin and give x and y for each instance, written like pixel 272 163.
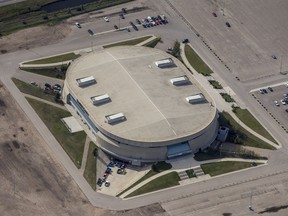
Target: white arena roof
pixel 154 108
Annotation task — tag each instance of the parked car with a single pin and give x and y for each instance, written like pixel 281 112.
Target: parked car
pixel 186 40
pixel 274 56
pixel 90 32
pixel 283 101
pixel 276 103
pixel 214 14
pixel 106 19
pixel 122 16
pixel 138 21
pixel 107 184
pixel 47 85
pixel 33 83
pixel 286 110
pixel 228 24
pixel 116 27
pixel 78 25
pixel 124 10
pixel 270 89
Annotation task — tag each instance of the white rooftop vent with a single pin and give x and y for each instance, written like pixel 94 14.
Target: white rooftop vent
pixel 165 63
pixel 100 99
pixel 197 98
pixel 115 118
pixel 181 80
pixel 85 81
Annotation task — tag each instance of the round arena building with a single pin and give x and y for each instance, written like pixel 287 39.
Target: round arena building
pixel 141 104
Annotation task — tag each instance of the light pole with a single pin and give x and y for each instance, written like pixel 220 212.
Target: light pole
pixel 250 202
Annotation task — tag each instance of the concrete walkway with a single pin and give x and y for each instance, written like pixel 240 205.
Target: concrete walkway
pixel 85 154
pixel 194 165
pixel 221 104
pixel 45 101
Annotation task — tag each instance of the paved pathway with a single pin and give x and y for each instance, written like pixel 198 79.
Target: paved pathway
pixel 45 101
pixel 85 154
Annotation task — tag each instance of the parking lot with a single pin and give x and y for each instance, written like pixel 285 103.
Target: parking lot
pixel 255 34
pixel 272 99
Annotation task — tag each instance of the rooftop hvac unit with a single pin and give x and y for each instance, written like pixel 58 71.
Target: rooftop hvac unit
pixel 100 99
pixel 115 118
pixel 85 81
pixel 165 63
pixel 181 80
pixel 197 98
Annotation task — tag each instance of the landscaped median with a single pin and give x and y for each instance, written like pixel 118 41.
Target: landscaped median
pixel 239 135
pixel 35 91
pixel 90 169
pixel 222 167
pixel 248 119
pixel 134 41
pixel 156 168
pixel 196 62
pixel 73 144
pixel 53 59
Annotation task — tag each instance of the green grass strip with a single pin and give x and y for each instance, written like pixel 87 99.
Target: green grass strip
pixel 73 144
pixel 128 42
pixel 49 72
pixel 196 62
pixel 35 91
pixel 247 118
pixel 55 59
pixel 165 181
pixel 90 169
pixel 218 168
pixel 156 168
pixel 153 43
pixel 243 136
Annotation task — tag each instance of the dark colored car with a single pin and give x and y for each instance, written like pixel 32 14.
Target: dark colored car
pixel 47 85
pixel 228 24
pixel 124 10
pixel 270 89
pixel 138 21
pixel 214 14
pixel 122 16
pixel 116 27
pixel 274 57
pixel 186 40
pixel 90 32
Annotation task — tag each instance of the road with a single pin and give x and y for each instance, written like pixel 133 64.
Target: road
pixel 242 182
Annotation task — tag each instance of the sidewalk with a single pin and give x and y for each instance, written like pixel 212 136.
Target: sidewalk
pixel 221 104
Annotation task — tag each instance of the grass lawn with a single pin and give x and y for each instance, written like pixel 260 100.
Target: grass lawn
pixel 239 135
pixel 29 13
pixel 90 169
pixel 227 97
pixel 34 90
pixel 215 84
pixel 49 72
pixel 54 59
pixel 165 181
pixel 190 173
pixel 153 43
pixel 247 118
pixel 157 168
pixel 218 168
pixel 73 144
pixel 202 156
pixel 128 42
pixel 196 62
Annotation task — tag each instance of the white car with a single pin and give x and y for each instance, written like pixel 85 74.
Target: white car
pixel 283 101
pixel 276 103
pixel 106 19
pixel 78 25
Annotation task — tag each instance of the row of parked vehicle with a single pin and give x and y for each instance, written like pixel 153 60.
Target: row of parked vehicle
pixel 153 21
pixel 120 170
pixel 55 88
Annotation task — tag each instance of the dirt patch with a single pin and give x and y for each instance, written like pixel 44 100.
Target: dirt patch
pixel 34 37
pixel 31 181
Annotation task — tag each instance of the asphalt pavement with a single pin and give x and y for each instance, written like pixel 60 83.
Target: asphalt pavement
pixel 242 182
